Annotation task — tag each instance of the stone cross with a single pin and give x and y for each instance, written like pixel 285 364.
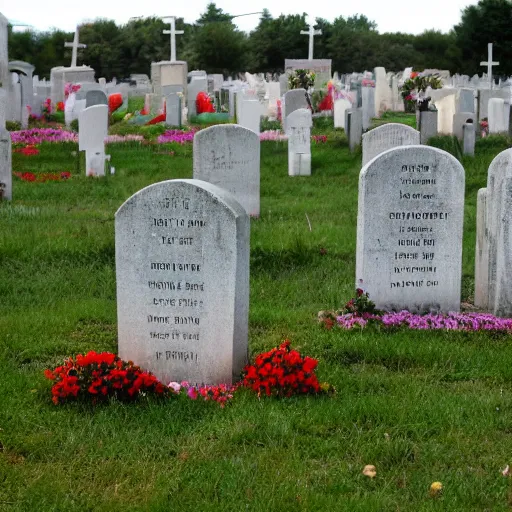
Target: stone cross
pixel 489 64
pixel 311 32
pixel 75 45
pixel 173 32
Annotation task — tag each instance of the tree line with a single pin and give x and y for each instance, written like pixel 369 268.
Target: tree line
pixel 214 43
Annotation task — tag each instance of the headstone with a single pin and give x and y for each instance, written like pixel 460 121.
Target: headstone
pixel 383 96
pixel 95 98
pixel 492 268
pixel 5 152
pixel 4 57
pixel 168 77
pixel 229 156
pixel 409 230
pixel 92 131
pixel 250 114
pixel 427 125
pixel 368 105
pixel 299 125
pixel 173 110
pixel 387 136
pixel 446 109
pixel 484 95
pixel 460 120
pixel 340 106
pixel 182 269
pixel 321 68
pixel 468 139
pixel 293 100
pixel 354 127
pixel 197 85
pixel 497 116
pixel 466 100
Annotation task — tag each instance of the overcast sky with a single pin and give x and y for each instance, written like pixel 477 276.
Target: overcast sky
pixel 390 15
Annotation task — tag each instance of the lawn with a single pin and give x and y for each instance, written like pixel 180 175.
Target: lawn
pixel 422 406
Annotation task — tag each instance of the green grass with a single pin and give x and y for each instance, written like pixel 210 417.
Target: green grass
pixel 421 406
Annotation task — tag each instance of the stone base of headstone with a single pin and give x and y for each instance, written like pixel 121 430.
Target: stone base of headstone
pixel 95 163
pixel 459 120
pixel 481 299
pixel 299 164
pixel 427 125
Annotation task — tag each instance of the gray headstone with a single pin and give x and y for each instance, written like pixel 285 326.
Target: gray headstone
pixel 299 125
pixel 229 156
pixel 95 98
pixel 484 95
pixel 387 136
pixel 368 104
pixel 293 100
pixel 173 110
pixel 409 229
pixel 5 152
pixel 428 125
pixel 197 84
pixel 354 127
pixel 466 100
pixel 182 269
pixel 459 120
pixel 493 238
pixel 468 139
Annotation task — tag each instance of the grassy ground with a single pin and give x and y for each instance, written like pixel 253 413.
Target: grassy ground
pixel 420 406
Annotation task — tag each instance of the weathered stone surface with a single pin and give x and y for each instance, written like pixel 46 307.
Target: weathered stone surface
pixel 387 136
pixel 409 229
pixel 92 131
pixel 229 156
pixel 197 84
pixel 173 110
pixel 182 268
pixel 293 100
pixel 481 299
pixel 354 127
pixel 299 142
pixel 250 114
pixel 428 125
pixel 5 153
pixel 468 139
pixel 340 106
pixel 459 120
pixel 368 105
pixel 95 98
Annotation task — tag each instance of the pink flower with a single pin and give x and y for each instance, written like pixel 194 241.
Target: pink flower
pixel 175 386
pixel 192 393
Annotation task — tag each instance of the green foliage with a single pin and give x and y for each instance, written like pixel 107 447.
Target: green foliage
pixel 12 126
pixel 301 79
pixel 74 125
pixel 266 124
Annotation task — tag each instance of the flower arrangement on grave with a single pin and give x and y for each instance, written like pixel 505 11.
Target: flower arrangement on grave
pixel 114 102
pixel 484 127
pixel 47 109
pixel 302 79
pixel 43 177
pixel 204 104
pixel 70 88
pixel 414 90
pixel 98 377
pixel 360 311
pixel 60 106
pixel 284 372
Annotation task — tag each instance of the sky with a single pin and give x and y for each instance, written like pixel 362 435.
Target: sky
pixel 390 15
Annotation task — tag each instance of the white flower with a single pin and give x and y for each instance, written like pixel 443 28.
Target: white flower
pixel 175 386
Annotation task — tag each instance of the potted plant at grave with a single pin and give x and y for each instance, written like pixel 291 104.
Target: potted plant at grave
pixel 414 91
pixel 302 79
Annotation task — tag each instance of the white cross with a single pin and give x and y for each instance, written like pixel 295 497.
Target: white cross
pixel 489 64
pixel 311 33
pixel 75 45
pixel 173 32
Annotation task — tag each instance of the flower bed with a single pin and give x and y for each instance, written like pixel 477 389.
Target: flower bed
pixel 39 135
pixel 280 372
pixel 43 177
pixel 176 136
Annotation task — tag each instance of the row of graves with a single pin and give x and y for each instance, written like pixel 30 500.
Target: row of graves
pixel 182 246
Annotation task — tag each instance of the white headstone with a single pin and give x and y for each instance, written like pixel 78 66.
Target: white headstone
pixel 293 100
pixel 92 131
pixel 409 229
pixel 497 116
pixel 198 84
pixel 299 125
pixel 387 136
pixel 250 114
pixel 339 112
pixel 173 110
pixel 182 269
pixel 5 152
pixel 229 156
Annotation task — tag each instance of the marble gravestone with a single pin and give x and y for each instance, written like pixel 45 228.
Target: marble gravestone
pixel 250 114
pixel 387 136
pixel 5 152
pixel 299 125
pixel 197 84
pixel 293 100
pixel 182 269
pixel 493 280
pixel 92 131
pixel 354 126
pixel 173 110
pixel 229 156
pixel 97 97
pixel 409 230
pixel 340 106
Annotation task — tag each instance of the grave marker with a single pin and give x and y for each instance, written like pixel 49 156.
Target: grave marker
pixel 5 152
pixel 299 142
pixel 182 269
pixel 409 229
pixel 229 156
pixel 92 131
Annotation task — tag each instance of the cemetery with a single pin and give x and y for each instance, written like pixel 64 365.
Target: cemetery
pixel 234 292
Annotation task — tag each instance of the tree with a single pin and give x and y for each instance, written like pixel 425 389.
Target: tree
pixel 487 22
